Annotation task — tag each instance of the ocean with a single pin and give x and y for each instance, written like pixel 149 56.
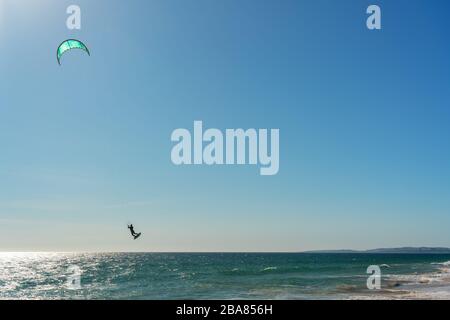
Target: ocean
pixel 221 276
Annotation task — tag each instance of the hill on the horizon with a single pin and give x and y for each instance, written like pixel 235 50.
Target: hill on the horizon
pixel 402 250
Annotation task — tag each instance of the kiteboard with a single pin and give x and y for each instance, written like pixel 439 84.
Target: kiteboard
pixel 137 235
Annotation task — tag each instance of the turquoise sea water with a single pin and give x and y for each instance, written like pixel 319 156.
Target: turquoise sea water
pixel 222 276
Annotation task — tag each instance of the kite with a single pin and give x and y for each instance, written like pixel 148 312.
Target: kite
pixel 70 44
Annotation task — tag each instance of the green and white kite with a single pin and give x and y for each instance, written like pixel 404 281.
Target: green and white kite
pixel 69 45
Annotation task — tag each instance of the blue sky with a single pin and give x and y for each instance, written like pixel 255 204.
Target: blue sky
pixel 363 118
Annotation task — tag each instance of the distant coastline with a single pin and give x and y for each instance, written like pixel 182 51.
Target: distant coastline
pixel 402 250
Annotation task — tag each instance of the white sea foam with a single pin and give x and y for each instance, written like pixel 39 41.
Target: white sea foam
pixel 270 268
pixel 433 285
pixel 447 263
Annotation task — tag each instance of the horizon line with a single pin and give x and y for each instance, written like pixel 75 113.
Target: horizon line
pixel 260 252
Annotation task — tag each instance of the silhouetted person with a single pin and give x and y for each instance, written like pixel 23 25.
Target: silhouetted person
pixel 132 230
